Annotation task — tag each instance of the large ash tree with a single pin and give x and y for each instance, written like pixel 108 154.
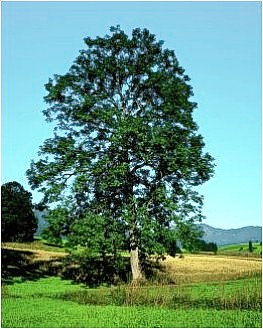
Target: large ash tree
pixel 126 150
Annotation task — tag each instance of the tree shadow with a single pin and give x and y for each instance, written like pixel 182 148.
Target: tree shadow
pixel 95 271
pixel 23 264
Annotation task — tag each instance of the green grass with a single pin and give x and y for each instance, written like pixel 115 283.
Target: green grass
pixel 45 287
pixel 49 313
pixel 239 294
pixel 241 248
pixel 43 303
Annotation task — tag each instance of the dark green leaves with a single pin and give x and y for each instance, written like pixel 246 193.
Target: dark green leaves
pixel 17 217
pixel 125 138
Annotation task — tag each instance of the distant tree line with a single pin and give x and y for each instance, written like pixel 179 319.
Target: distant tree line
pixel 197 245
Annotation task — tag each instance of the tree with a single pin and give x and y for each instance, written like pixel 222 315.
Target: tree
pixel 250 246
pixel 18 220
pixel 125 144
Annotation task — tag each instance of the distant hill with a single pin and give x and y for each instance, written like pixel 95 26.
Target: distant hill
pixel 232 236
pixel 219 236
pixel 41 222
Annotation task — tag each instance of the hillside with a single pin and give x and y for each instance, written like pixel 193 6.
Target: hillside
pixel 211 234
pixel 231 236
pixel 41 222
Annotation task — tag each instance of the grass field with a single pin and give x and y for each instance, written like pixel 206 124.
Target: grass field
pixel 241 248
pixel 209 291
pixel 46 303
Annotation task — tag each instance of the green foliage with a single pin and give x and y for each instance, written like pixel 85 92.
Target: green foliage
pixel 59 225
pixel 190 235
pixel 99 234
pixel 125 146
pixel 170 237
pixel 94 270
pixel 201 245
pixel 17 217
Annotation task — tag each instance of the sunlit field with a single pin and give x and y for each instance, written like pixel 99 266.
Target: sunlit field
pixel 203 268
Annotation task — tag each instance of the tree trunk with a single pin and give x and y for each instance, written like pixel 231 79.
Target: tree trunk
pixel 134 253
pixel 135 265
pixel 134 259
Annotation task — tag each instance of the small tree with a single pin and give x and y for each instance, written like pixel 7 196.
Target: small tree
pixel 250 246
pixel 18 220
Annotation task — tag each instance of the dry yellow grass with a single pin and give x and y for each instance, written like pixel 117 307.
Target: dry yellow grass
pixel 204 268
pixel 189 269
pixel 35 254
pixel 48 255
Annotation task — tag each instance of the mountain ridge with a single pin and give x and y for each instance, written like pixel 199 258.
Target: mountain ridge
pixel 231 236
pixel 211 234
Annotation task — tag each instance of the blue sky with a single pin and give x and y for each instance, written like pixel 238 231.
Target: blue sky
pixel 217 43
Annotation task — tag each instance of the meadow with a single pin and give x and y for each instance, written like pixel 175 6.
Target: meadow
pixel 190 291
pixel 241 249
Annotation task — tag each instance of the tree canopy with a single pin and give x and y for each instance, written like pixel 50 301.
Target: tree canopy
pixel 18 221
pixel 125 148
